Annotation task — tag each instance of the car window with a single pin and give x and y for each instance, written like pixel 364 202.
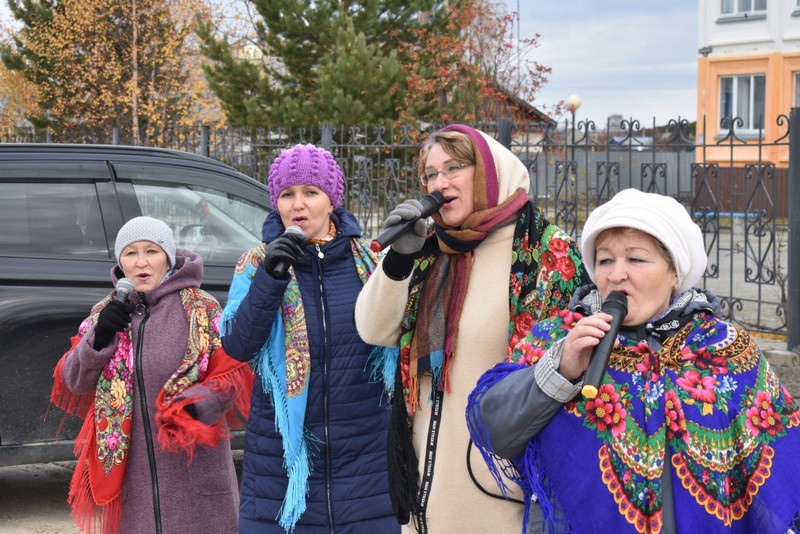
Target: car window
pixel 51 219
pixel 216 224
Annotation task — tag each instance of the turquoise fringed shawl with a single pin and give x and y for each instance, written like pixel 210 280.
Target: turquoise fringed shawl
pixel 283 365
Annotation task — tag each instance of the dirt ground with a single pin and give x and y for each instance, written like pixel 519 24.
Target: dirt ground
pixel 33 499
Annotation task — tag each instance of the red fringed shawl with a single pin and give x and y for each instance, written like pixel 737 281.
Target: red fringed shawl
pixel 102 444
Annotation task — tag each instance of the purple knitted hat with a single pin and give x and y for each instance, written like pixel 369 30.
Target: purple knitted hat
pixel 306 165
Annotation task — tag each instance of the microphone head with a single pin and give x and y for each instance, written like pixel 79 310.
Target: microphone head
pixel 294 229
pixel 124 288
pixel 616 299
pixel 124 285
pixel 436 197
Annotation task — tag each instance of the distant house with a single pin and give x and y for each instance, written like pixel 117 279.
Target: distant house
pixel 504 104
pixel 635 142
pixel 749 67
pixel 748 70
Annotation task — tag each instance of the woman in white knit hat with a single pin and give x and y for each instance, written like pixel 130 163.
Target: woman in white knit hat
pixel 689 428
pixel 148 374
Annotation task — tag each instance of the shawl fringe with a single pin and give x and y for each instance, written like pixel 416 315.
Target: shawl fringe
pixel 180 432
pixel 89 516
pixel 403 465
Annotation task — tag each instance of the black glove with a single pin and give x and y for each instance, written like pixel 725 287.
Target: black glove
pixel 191 409
pixel 115 317
pixel 282 253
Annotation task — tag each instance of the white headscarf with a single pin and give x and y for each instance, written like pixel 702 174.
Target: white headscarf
pixel 657 215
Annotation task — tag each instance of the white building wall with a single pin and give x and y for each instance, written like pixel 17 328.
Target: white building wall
pixel 779 30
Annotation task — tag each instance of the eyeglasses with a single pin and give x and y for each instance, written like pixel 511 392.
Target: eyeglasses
pixel 430 176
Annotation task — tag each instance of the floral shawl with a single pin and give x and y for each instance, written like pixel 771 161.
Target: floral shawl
pixel 546 268
pixel 283 364
pixel 102 444
pixel 698 400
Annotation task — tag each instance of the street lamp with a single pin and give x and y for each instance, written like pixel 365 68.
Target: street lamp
pixel 573 103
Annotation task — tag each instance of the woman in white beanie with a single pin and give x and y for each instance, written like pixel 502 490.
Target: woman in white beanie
pixel 148 374
pixel 689 430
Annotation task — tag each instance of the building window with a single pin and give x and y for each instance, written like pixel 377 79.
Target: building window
pixel 743 97
pixel 741 7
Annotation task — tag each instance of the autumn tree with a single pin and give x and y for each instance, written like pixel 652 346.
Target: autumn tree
pixel 312 61
pixel 471 68
pixel 101 64
pixel 17 98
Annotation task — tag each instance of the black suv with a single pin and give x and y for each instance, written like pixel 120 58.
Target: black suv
pixel 61 207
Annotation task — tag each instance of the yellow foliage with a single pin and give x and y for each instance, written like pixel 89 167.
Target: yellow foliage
pixel 107 67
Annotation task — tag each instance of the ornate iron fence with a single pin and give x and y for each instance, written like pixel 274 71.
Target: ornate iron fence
pixel 727 180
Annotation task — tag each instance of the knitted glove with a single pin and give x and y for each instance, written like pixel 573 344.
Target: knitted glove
pixel 115 317
pixel 410 242
pixel 285 251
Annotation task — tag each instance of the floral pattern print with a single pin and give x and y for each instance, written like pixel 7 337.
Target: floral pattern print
pixel 113 400
pixel 706 404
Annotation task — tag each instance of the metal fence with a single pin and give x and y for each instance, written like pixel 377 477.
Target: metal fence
pixel 742 208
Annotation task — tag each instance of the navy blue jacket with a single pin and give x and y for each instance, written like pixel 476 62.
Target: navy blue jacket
pixel 346 412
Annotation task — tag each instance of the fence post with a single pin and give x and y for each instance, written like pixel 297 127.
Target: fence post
pixel 205 135
pixel 115 136
pixel 327 137
pixel 504 132
pixel 793 240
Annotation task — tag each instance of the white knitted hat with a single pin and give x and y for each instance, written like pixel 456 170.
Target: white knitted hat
pixel 660 216
pixel 146 229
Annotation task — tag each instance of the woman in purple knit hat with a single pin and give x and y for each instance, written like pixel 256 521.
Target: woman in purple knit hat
pixel 315 447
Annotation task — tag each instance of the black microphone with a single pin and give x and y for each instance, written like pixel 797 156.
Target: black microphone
pixel 431 203
pixel 124 288
pixel 616 305
pixel 280 268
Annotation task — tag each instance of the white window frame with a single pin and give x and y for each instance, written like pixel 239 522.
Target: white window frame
pixel 753 115
pixel 741 7
pixel 796 86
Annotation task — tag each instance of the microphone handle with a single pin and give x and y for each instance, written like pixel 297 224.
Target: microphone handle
pixel 616 305
pixel 391 234
pixel 431 203
pixel 598 363
pixel 280 268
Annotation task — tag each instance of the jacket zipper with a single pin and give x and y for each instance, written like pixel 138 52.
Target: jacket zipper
pixel 151 457
pixel 321 255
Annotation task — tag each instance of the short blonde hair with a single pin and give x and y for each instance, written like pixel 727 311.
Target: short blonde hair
pixel 458 145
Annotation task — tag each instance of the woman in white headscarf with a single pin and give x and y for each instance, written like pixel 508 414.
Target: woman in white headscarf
pixel 689 430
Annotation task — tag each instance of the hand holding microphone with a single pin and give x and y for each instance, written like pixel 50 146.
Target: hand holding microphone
pixel 616 305
pixel 115 317
pixel 405 227
pixel 284 252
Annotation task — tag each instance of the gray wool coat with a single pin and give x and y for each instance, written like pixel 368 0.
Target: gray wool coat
pixel 198 497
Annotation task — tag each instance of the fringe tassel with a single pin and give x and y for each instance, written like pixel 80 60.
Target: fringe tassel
pixel 294 502
pixel 403 464
pixel 60 396
pixel 382 362
pixel 180 432
pixel 228 314
pixel 90 517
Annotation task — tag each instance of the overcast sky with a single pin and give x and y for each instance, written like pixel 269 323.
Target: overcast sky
pixel 637 58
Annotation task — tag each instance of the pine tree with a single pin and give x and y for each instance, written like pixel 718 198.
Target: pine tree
pixel 306 71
